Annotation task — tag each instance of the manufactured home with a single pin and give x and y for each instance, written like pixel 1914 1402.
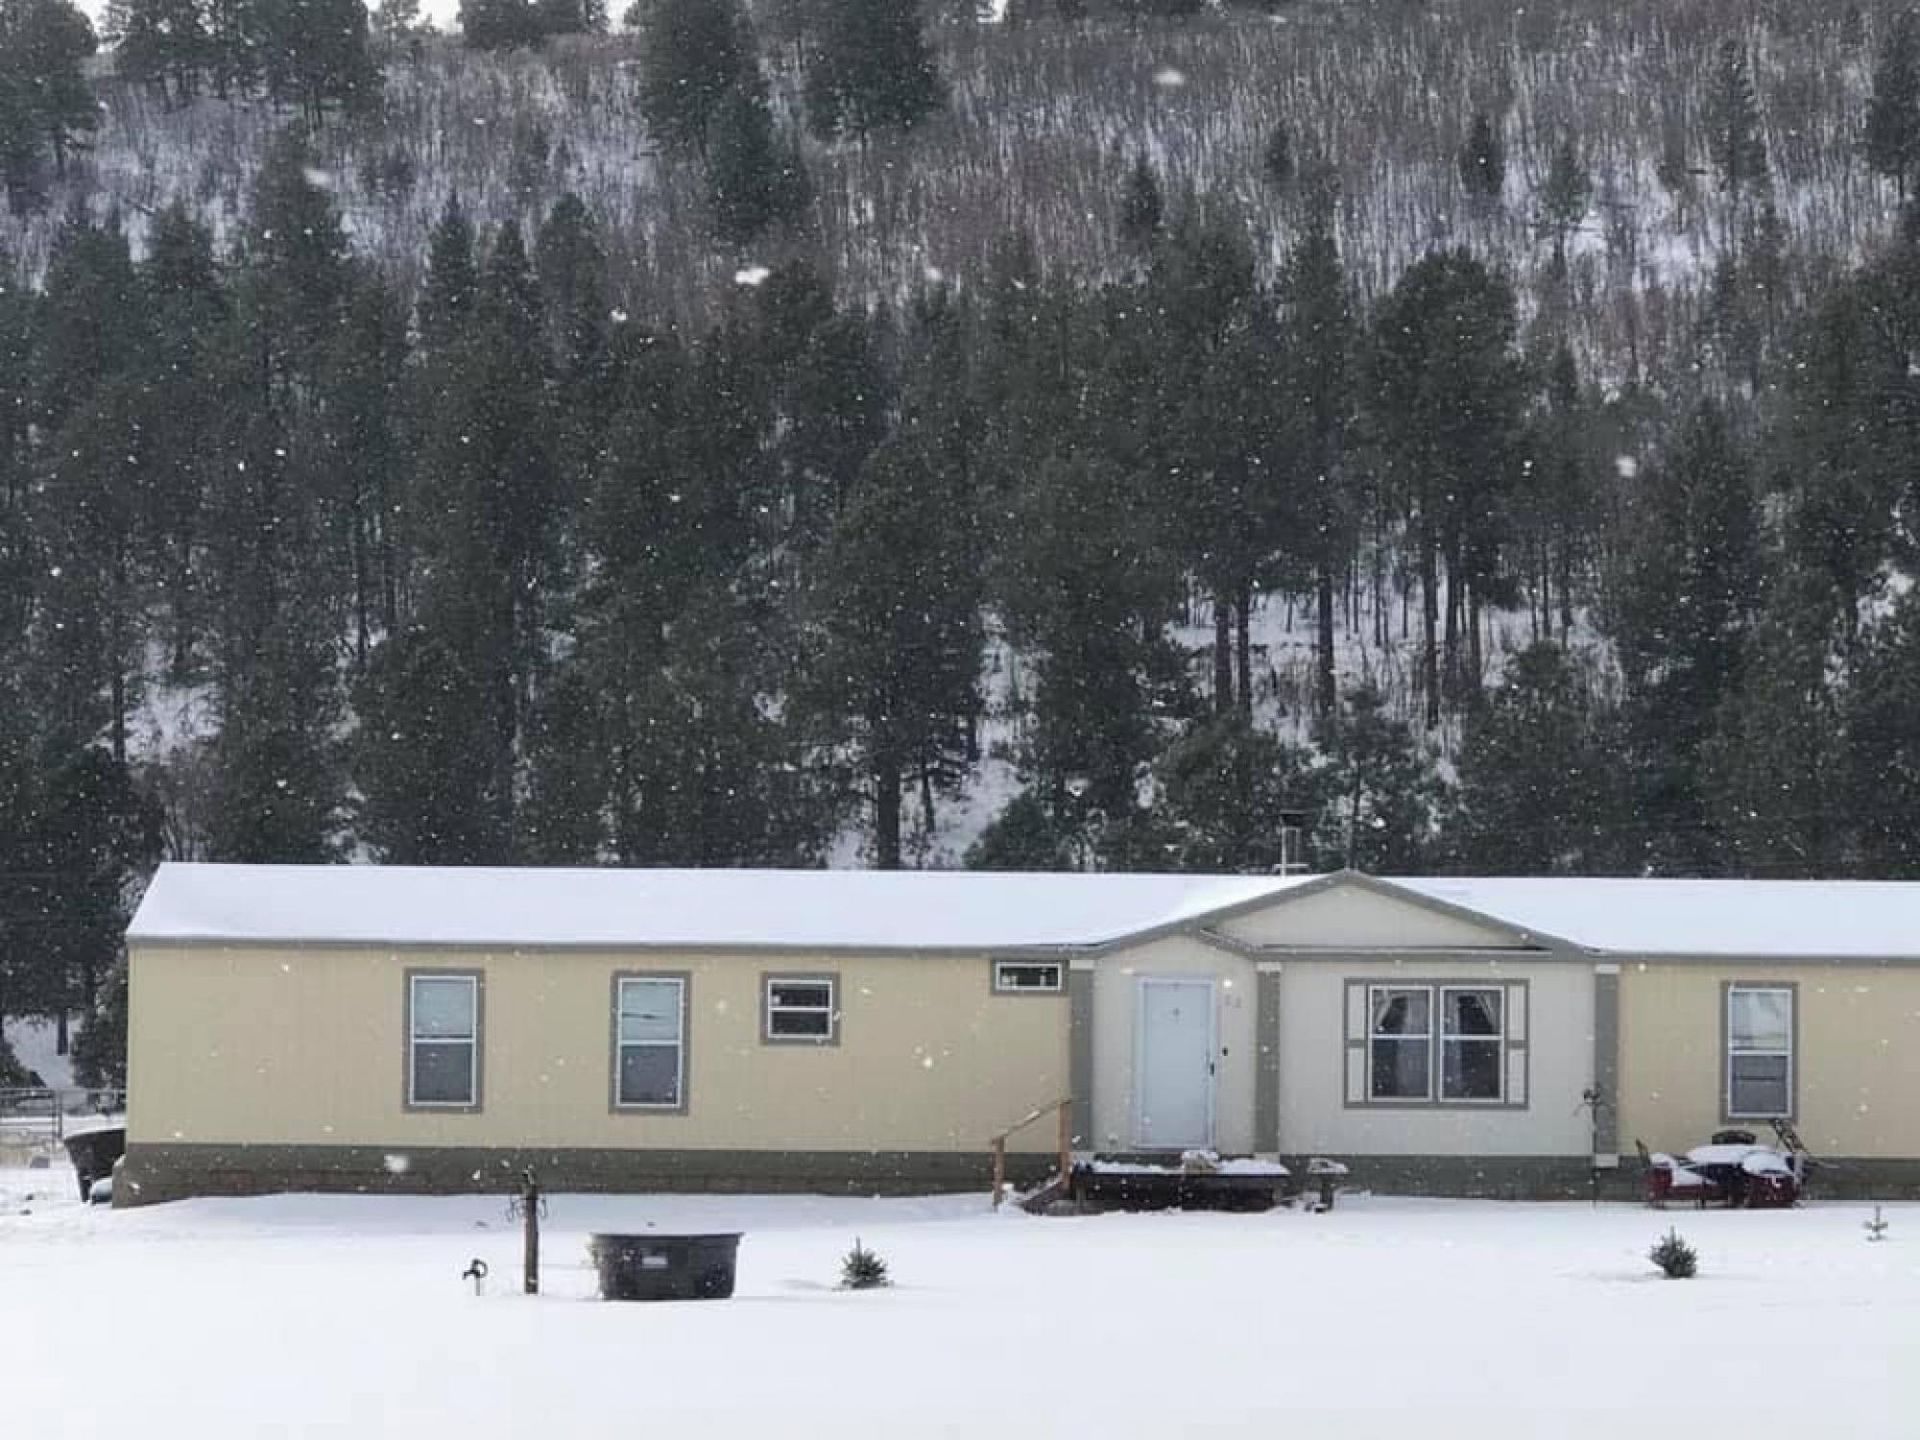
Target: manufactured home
pixel 390 1028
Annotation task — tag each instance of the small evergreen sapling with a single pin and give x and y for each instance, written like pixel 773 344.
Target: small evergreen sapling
pixel 1674 1256
pixel 862 1269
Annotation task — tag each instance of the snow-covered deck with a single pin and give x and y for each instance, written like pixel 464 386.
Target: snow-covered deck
pixel 341 1316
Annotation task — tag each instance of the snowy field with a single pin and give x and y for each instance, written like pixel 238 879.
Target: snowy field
pixel 337 1316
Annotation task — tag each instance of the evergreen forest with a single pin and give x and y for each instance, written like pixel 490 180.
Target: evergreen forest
pixel 1427 436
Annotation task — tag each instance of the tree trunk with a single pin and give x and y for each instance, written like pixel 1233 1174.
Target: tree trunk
pixel 1430 619
pixel 1450 647
pixel 886 813
pixel 1473 642
pixel 361 638
pixel 1222 652
pixel 1566 589
pixel 1323 668
pixel 1243 644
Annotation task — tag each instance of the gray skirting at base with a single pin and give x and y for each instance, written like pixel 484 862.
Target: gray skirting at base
pixel 155 1173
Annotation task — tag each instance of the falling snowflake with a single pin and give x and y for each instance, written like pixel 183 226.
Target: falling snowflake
pixel 1626 466
pixel 1168 78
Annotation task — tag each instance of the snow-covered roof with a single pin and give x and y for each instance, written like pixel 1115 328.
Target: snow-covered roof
pixel 975 910
pixel 839 909
pixel 1836 919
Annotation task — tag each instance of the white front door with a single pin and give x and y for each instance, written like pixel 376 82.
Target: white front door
pixel 1173 1076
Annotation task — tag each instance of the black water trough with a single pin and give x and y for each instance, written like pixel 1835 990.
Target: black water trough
pixel 665 1267
pixel 93 1153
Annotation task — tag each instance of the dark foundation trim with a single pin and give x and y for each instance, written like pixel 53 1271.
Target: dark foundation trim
pixel 155 1173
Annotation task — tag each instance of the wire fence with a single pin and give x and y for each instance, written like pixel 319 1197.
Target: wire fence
pixel 29 1114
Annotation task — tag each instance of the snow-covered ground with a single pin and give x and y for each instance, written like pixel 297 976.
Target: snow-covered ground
pixel 342 1316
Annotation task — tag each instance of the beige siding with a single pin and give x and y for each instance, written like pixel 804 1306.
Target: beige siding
pixel 1351 917
pixel 1315 1116
pixel 1857 1063
pixel 1115 989
pixel 306 1046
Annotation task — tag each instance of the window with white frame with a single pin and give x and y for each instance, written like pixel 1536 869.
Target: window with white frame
pixel 1400 1042
pixel 1445 1043
pixel 650 1049
pixel 802 1009
pixel 1472 1043
pixel 1759 1051
pixel 443 1040
pixel 1011 977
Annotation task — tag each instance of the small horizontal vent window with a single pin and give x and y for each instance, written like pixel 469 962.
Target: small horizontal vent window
pixel 1022 976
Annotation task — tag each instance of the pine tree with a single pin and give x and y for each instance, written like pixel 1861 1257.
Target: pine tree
pixel 1735 140
pixel 1226 788
pixel 1141 209
pixel 453 277
pixel 1882 745
pixel 279 797
pixel 1215 438
pixel 754 179
pixel 315 54
pixel 163 43
pixel 830 399
pixel 869 68
pixel 571 17
pixel 235 46
pixel 1535 775
pixel 488 472
pixel 1564 198
pixel 695 54
pixel 1483 160
pixel 398 26
pixel 425 757
pixel 1842 468
pixel 1775 765
pixel 1087 592
pixel 571 263
pixel 296 251
pixel 895 626
pixel 354 435
pixel 46 104
pixel 1684 614
pixel 501 24
pixel 98 834
pixel 1445 393
pixel 1382 793
pixel 1277 157
pixel 1319 338
pixel 189 307
pixel 1891 135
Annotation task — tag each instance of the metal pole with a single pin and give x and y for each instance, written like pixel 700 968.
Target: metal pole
pixel 530 1219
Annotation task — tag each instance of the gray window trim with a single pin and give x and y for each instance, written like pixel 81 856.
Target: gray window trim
pixel 615 1104
pixel 443 1107
pixel 769 979
pixel 1059 967
pixel 1508 1048
pixel 1792 989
